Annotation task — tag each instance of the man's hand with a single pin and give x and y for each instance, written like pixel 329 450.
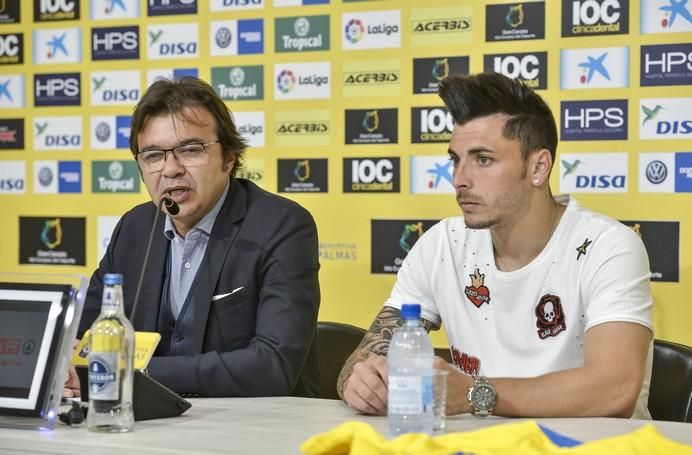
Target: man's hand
pixel 71 389
pixel 458 385
pixel 366 388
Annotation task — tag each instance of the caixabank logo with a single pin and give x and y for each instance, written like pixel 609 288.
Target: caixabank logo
pixel 300 34
pixel 606 67
pixel 115 43
pixel 308 175
pixel 57 89
pixel 11 91
pixel 52 240
pixel 171 7
pixel 57 46
pixel 11 134
pixel 371 30
pixel 391 240
pixel 531 68
pixel 371 126
pixel 174 74
pixel 595 17
pixel 435 26
pixel 109 132
pixel 250 126
pixel 56 10
pixel 372 175
pixel 233 5
pixel 236 37
pixel 665 16
pixel 52 177
pixel 428 72
pixel 10 12
pixel 662 242
pixel 114 177
pixel 13 177
pixel 431 125
pixel 593 120
pixel 11 48
pixel 238 83
pixel 665 118
pixel 58 133
pixel 302 128
pixel 362 78
pixel 119 88
pixel 666 64
pixel 431 175
pixel 294 81
pixel 516 21
pixel 593 173
pixel 176 41
pixel 114 9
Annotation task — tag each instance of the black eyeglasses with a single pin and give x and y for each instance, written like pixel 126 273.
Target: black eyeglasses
pixel 193 154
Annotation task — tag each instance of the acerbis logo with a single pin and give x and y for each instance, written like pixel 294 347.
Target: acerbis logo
pixel 56 10
pixel 602 172
pixel 301 128
pixel 593 120
pixel 441 25
pixel 530 68
pixel 371 175
pixel 11 48
pixel 57 89
pixel 355 30
pixel 58 133
pixel 431 124
pixel 656 172
pixel 666 64
pixel 173 41
pixel 114 88
pixel 115 43
pixel 592 17
pixel 286 81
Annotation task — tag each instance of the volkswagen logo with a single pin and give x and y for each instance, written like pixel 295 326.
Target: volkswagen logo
pixel 656 172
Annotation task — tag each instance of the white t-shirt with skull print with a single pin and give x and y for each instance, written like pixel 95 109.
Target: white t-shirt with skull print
pixel 530 321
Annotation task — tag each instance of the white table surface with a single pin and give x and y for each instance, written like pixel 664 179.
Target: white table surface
pixel 275 425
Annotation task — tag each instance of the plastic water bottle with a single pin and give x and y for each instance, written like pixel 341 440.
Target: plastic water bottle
pixel 111 356
pixel 410 377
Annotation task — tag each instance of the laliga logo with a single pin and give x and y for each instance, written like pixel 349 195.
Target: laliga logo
pixel 440 69
pixel 354 30
pixel 286 81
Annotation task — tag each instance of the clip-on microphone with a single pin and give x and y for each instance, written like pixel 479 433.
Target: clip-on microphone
pixel 150 398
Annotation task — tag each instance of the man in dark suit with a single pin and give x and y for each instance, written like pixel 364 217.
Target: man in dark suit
pixel 232 280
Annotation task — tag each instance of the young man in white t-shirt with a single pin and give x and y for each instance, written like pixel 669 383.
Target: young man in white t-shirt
pixel 547 305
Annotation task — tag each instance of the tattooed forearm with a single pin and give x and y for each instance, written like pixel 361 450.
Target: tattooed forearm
pixel 376 341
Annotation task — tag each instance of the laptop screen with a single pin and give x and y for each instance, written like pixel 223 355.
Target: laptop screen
pixel 32 320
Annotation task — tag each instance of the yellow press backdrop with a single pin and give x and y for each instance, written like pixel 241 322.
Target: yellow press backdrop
pixel 338 102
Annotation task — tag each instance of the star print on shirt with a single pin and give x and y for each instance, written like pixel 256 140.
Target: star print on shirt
pixel 581 249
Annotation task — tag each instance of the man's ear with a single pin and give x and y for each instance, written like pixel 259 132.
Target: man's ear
pixel 541 162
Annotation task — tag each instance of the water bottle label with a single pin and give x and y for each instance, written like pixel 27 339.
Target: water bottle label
pixel 109 300
pixel 410 394
pixel 104 376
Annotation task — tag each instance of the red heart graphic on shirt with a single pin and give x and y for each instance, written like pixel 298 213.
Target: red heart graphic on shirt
pixel 477 296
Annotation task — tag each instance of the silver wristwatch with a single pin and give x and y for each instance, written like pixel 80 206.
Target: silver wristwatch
pixel 482 397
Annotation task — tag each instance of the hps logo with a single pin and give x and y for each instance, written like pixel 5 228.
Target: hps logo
pixel 115 43
pixel 57 89
pixel 593 120
pixel 666 64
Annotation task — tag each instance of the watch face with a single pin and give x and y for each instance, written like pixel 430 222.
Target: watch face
pixel 483 397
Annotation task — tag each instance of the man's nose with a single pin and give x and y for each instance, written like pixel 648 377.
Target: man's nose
pixel 171 165
pixel 460 175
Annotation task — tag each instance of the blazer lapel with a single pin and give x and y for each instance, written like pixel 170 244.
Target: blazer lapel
pixel 222 235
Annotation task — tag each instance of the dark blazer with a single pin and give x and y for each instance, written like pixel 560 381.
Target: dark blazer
pixel 258 341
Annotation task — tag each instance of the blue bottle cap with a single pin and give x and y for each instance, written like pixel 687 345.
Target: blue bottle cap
pixel 410 311
pixel 110 279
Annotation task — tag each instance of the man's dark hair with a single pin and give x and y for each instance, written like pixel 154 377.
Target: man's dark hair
pixel 175 97
pixel 479 95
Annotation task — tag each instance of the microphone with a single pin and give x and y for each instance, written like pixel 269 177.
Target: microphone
pixel 173 209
